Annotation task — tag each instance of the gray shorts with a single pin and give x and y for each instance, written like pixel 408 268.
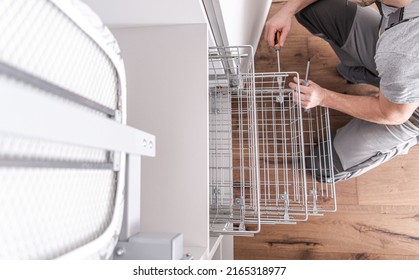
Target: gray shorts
pixel 352 31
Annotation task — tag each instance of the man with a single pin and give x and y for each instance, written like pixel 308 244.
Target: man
pixel 384 55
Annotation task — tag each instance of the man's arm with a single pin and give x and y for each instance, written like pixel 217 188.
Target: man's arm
pixel 370 108
pixel 281 21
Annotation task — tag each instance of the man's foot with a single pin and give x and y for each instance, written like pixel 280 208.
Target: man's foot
pixel 357 75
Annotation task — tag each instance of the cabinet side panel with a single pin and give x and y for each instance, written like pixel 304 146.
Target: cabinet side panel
pixel 167 96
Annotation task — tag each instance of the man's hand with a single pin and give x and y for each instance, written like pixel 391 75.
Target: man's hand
pixel 281 22
pixel 311 95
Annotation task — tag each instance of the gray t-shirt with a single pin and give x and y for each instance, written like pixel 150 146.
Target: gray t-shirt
pixel 397 60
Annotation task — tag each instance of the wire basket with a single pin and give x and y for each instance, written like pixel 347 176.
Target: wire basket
pixel 319 161
pixel 234 182
pixel 270 160
pixel 281 150
pixel 294 144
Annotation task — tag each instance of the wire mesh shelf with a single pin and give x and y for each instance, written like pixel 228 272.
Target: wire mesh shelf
pixel 269 158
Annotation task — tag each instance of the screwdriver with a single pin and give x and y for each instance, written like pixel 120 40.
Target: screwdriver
pixel 277 48
pixel 305 82
pixel 280 97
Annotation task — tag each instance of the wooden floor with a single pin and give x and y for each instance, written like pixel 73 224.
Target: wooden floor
pixel 378 212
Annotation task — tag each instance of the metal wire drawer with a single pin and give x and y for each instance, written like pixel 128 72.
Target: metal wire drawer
pixel 267 155
pixel 234 177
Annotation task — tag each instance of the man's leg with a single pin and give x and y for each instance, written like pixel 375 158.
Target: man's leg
pixel 362 146
pixel 352 32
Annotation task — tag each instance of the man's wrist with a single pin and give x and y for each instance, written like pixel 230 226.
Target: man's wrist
pixel 324 97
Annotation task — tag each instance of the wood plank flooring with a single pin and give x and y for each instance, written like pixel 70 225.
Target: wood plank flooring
pixel 378 212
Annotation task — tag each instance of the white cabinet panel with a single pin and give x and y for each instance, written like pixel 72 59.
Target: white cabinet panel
pixel 167 80
pixel 124 13
pixel 237 22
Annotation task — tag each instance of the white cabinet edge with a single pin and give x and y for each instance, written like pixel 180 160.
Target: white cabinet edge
pixel 128 13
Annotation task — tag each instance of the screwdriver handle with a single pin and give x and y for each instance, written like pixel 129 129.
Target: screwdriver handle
pixel 277 36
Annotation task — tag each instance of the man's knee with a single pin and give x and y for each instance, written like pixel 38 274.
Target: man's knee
pixel 304 17
pixel 330 19
pixel 327 6
pixel 315 13
pixel 301 18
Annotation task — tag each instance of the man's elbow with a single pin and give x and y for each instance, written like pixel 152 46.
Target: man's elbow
pixel 396 118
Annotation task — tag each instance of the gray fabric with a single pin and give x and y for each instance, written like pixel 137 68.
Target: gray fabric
pixel 360 44
pixel 393 16
pixel 330 19
pixel 374 161
pixel 351 30
pixel 360 140
pixel 386 11
pixel 362 145
pixel 412 10
pixel 397 59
